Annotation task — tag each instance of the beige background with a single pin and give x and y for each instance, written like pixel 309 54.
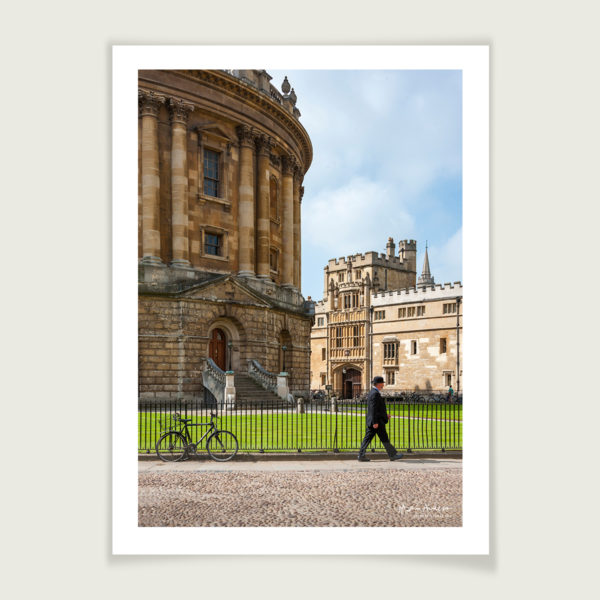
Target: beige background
pixel 56 298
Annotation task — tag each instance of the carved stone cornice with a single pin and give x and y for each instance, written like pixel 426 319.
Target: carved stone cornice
pixel 245 135
pixel 237 89
pixel 298 174
pixel 149 103
pixel 264 144
pixel 301 192
pixel 179 110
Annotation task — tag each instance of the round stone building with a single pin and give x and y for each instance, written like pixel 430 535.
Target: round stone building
pixel 222 156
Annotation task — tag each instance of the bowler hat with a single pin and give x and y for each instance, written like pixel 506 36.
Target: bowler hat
pixel 377 380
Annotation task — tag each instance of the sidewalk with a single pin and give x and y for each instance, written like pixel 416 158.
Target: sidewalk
pixel 278 463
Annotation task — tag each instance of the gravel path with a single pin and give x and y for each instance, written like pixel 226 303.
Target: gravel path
pixel 376 497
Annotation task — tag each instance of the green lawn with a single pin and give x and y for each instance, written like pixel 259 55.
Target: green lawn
pixel 417 427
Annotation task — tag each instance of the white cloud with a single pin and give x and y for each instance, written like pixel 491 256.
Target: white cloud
pixel 357 217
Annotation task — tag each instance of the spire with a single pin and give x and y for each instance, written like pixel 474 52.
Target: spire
pixel 426 278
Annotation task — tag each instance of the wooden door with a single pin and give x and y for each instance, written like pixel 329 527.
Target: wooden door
pixel 217 348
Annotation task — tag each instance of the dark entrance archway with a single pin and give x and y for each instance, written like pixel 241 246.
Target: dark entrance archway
pixel 351 383
pixel 217 348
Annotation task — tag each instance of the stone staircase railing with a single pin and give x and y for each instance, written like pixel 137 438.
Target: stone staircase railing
pixel 265 379
pixel 213 378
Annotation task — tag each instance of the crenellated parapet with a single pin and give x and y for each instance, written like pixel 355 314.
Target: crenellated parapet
pixel 418 294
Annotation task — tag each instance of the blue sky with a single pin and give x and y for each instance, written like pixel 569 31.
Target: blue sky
pixel 387 162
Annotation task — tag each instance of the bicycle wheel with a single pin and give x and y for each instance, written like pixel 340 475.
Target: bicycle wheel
pixel 171 446
pixel 222 446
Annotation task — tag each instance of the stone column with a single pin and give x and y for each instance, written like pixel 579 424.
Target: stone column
pixel 297 182
pixel 246 202
pixel 149 104
pixel 179 181
pixel 263 220
pixel 287 230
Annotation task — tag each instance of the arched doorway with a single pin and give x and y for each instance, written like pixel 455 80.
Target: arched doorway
pixel 351 382
pixel 217 348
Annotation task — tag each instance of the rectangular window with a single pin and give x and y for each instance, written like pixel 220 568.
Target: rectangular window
pixel 402 313
pixel 213 244
pixel 390 378
pixel 355 336
pixel 448 378
pixel 347 300
pixel 320 321
pixel 413 346
pixel 340 277
pixel 410 311
pixel 379 315
pixel 420 311
pixel 357 275
pixel 323 379
pixel 389 350
pixel 443 345
pixel 211 173
pixel 450 309
pixel 339 337
pixel 274 260
pixel 323 353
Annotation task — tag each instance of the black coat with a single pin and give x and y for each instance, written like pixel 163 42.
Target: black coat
pixel 376 410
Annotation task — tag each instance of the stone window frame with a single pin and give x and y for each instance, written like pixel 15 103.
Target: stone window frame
pixel 421 311
pixel 221 232
pixel 445 376
pixel 323 353
pixel 320 321
pixel 449 309
pixel 323 378
pixel 220 145
pixel 414 347
pixel 390 376
pixel 390 350
pixel 379 315
pixel 274 252
pixel 443 345
pixel 277 218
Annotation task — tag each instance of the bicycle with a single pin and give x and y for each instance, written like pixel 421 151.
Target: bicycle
pixel 176 444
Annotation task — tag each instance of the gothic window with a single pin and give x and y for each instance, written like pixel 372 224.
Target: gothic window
pixel 211 173
pixel 389 350
pixel 355 336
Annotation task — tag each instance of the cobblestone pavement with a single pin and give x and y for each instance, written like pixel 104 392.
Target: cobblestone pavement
pixel 406 493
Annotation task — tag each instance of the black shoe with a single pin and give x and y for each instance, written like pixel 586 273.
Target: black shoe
pixel 363 459
pixel 397 456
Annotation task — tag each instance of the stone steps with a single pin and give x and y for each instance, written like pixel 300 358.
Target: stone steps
pixel 251 395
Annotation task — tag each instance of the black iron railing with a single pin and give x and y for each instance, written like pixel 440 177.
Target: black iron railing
pixel 316 425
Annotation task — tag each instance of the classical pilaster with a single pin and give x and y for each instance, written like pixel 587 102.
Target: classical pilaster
pixel 149 105
pixel 179 111
pixel 297 182
pixel 246 201
pixel 287 232
pixel 264 144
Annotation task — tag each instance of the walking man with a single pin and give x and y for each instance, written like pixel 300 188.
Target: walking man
pixel 377 418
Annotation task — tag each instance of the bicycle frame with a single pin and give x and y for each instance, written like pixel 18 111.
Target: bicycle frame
pixel 187 435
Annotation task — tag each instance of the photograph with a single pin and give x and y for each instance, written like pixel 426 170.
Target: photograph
pixel 299 298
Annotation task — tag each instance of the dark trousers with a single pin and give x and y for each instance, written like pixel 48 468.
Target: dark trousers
pixel 370 434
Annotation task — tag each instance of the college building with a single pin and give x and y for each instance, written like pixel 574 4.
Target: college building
pixel 222 157
pixel 376 318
